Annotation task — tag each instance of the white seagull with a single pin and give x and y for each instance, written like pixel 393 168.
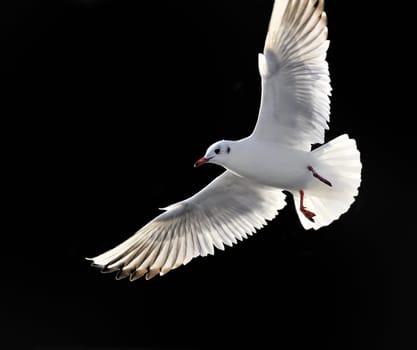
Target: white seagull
pixel 277 156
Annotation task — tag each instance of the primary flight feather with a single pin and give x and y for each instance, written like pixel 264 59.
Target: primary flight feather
pixel 277 156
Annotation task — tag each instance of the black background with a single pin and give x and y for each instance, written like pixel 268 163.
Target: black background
pixel 105 107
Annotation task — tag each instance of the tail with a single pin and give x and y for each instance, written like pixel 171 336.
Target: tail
pixel 339 162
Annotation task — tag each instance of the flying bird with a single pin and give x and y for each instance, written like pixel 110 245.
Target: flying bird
pixel 277 156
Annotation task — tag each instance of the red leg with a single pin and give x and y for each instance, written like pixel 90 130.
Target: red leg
pixel 317 176
pixel 307 213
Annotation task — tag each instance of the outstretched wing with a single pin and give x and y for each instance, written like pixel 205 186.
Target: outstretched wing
pixel 295 104
pixel 227 210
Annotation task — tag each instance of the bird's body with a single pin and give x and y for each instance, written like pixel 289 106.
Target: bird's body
pixel 272 164
pixel 277 156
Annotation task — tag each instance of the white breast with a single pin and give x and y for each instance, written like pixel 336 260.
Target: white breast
pixel 271 164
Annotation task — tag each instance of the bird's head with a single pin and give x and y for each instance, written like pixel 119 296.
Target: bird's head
pixel 217 153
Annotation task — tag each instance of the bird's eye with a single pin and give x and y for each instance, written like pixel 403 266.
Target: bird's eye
pixel 217 150
pixel 228 149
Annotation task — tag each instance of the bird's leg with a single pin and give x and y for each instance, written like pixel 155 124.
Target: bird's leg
pixel 307 213
pixel 317 176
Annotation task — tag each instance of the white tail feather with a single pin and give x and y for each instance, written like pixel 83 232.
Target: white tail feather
pixel 339 162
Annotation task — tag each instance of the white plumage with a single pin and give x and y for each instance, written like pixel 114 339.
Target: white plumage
pixel 227 210
pixel 295 103
pixel 293 116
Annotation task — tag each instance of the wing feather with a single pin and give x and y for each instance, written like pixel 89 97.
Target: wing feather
pixel 295 104
pixel 227 210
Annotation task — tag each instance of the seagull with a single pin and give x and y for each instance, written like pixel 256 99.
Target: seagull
pixel 276 157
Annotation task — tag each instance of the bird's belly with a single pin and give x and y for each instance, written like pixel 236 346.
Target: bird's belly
pixel 285 178
pixel 286 171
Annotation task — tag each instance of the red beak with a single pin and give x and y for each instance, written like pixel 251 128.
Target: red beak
pixel 200 162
